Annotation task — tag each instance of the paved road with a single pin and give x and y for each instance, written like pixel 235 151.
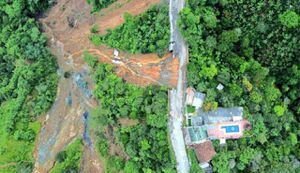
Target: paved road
pixel 177 95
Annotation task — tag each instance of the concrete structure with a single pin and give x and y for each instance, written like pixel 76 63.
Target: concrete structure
pixel 218 115
pixel 194 98
pixel 195 134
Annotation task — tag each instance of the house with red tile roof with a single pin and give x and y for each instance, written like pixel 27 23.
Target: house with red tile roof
pixel 204 151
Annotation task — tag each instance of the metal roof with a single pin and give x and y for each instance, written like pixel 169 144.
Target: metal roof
pixel 197 133
pixel 218 115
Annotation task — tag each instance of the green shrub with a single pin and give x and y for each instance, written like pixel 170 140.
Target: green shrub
pixel 94 29
pixel 195 168
pixel 103 146
pixel 289 19
pixel 100 4
pixel 90 59
pixel 69 160
pixel 191 109
pixel 96 40
pixel 131 167
pixel 114 164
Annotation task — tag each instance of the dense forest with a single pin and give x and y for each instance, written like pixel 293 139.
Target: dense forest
pixel 146 143
pixel 27 88
pixel 145 33
pixel 252 48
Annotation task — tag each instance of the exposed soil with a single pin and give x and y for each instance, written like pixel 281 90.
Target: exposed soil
pixel 125 122
pixel 143 69
pixel 64 121
pixel 67 26
pixel 77 13
pixel 140 69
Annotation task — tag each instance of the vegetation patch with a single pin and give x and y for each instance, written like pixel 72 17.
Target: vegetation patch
pixel 145 145
pixel 99 4
pixel 145 33
pixel 195 168
pixel 69 159
pixel 27 88
pixel 252 48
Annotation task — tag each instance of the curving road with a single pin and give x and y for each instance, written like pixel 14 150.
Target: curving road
pixel 176 96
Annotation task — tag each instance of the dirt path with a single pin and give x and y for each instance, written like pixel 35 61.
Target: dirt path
pixel 66 119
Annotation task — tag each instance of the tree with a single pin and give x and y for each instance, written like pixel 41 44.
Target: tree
pixel 145 33
pixel 61 156
pixel 289 19
pixel 255 57
pixel 279 110
pixel 27 88
pixel 210 18
pixel 144 143
pixel 131 167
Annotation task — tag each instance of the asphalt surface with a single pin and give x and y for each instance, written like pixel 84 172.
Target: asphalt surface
pixel 176 97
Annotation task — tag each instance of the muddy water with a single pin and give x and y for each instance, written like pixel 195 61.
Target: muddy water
pixel 68 117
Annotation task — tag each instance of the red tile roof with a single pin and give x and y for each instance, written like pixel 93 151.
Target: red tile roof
pixel 204 151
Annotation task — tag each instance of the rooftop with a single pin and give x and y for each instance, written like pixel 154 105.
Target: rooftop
pixel 196 134
pixel 216 116
pixel 204 151
pixel 194 98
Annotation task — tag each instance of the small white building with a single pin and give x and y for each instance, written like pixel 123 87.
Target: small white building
pixel 116 53
pixel 194 98
pixel 220 87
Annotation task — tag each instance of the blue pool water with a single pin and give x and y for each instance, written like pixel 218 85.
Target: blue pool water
pixel 231 129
